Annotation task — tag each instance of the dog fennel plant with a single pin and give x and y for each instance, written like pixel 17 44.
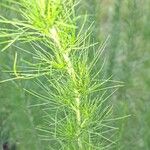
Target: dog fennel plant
pixel 63 64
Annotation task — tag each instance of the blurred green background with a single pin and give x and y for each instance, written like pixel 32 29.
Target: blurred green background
pixel 127 22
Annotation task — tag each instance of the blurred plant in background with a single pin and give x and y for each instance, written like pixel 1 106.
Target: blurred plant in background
pixel 127 22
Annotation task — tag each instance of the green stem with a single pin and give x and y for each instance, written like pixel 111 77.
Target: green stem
pixel 72 74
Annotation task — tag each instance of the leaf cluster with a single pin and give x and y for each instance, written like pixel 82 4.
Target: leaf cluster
pixel 73 98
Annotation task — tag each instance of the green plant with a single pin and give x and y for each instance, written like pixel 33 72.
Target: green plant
pixel 127 23
pixel 62 63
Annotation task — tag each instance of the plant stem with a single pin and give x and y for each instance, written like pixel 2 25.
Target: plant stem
pixel 72 74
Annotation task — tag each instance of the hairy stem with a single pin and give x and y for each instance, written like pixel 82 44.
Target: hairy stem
pixel 72 74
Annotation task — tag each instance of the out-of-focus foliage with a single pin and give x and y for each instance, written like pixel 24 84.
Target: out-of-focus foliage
pixel 127 22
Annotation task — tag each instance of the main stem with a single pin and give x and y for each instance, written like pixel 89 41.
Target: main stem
pixel 72 74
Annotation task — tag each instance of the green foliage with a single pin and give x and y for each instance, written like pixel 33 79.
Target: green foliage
pixel 68 92
pixel 127 22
